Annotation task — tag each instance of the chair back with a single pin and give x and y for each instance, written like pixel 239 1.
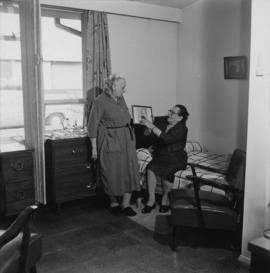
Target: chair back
pixel 20 225
pixel 236 171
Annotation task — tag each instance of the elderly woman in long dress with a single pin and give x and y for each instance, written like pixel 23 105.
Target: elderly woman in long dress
pixel 113 145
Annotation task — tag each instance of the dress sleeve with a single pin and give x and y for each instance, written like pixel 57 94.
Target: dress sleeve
pixel 94 118
pixel 174 135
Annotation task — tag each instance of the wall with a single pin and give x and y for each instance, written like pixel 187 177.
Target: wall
pixel 144 51
pixel 210 31
pixel 257 191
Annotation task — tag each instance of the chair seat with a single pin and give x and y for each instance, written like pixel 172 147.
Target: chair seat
pixel 10 253
pixel 182 195
pixel 217 210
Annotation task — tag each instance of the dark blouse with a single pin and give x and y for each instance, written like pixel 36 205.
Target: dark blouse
pixel 169 155
pixel 172 141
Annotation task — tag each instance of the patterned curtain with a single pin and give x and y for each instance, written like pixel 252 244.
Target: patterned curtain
pixel 97 56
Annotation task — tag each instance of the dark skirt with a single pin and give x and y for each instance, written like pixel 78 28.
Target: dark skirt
pixel 166 166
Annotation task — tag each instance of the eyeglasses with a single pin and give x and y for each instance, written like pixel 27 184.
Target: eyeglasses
pixel 172 112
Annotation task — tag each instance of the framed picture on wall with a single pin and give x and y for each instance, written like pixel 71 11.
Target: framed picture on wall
pixel 139 111
pixel 235 67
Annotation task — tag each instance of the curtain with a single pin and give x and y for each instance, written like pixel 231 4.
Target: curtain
pixel 32 93
pixel 97 58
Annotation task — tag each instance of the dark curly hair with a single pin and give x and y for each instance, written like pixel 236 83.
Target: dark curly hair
pixel 183 112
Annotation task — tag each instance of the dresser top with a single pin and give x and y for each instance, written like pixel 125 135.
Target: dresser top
pixel 12 147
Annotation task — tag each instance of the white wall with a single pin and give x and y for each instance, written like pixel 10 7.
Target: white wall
pixel 144 51
pixel 210 31
pixel 257 191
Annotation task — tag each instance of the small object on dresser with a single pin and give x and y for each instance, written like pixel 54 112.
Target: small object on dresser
pixel 266 233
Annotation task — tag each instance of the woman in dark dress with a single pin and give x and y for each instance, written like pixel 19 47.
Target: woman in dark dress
pixel 169 155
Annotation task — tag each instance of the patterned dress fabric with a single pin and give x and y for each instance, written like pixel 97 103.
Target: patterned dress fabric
pixel 109 123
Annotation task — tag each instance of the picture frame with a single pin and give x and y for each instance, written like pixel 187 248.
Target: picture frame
pixel 141 110
pixel 235 67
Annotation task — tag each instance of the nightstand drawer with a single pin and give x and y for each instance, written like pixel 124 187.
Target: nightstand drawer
pixel 19 195
pixel 71 170
pixel 69 188
pixel 70 154
pixel 17 166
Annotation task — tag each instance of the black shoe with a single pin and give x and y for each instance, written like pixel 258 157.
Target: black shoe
pixel 148 209
pixel 115 210
pixel 128 211
pixel 164 209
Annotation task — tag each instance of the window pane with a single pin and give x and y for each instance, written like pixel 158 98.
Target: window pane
pixel 11 96
pixel 63 116
pixel 62 59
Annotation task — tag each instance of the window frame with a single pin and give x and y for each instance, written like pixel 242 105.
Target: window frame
pixel 67 13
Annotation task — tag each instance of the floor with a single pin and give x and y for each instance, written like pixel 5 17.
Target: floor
pixel 85 237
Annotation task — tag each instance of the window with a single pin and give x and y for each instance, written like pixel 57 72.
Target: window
pixel 11 95
pixel 62 68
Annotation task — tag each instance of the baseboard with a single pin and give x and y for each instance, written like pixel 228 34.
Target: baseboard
pixel 244 260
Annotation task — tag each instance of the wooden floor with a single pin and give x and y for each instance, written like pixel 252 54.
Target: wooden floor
pixel 85 237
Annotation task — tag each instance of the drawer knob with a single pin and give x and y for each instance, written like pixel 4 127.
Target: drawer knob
pixel 18 166
pixel 91 186
pixel 20 195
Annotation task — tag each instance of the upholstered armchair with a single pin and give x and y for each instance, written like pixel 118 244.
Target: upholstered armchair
pixel 19 248
pixel 209 209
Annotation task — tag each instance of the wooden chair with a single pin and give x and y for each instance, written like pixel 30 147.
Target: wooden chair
pixel 198 208
pixel 19 249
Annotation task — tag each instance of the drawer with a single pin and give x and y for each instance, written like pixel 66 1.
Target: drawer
pixel 70 153
pixel 17 166
pixel 66 182
pixel 71 188
pixel 19 195
pixel 71 170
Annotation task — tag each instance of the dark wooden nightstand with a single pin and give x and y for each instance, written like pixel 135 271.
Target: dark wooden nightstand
pixel 16 181
pixel 69 175
pixel 260 255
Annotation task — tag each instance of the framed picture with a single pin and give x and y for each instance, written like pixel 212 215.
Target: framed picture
pixel 139 111
pixel 235 67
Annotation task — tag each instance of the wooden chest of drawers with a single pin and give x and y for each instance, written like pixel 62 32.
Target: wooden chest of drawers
pixel 69 175
pixel 16 181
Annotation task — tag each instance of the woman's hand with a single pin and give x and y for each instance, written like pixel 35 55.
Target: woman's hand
pixel 151 149
pixel 146 122
pixel 146 132
pixel 94 155
pixel 94 148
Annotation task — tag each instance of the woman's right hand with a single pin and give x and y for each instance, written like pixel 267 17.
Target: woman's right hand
pixel 94 155
pixel 94 149
pixel 146 122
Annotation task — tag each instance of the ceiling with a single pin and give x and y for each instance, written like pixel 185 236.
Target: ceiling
pixel 169 3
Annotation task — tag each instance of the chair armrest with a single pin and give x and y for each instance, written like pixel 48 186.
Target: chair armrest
pixel 17 225
pixel 207 168
pixel 202 181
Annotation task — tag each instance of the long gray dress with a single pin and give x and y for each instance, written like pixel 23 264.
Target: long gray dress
pixel 109 123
